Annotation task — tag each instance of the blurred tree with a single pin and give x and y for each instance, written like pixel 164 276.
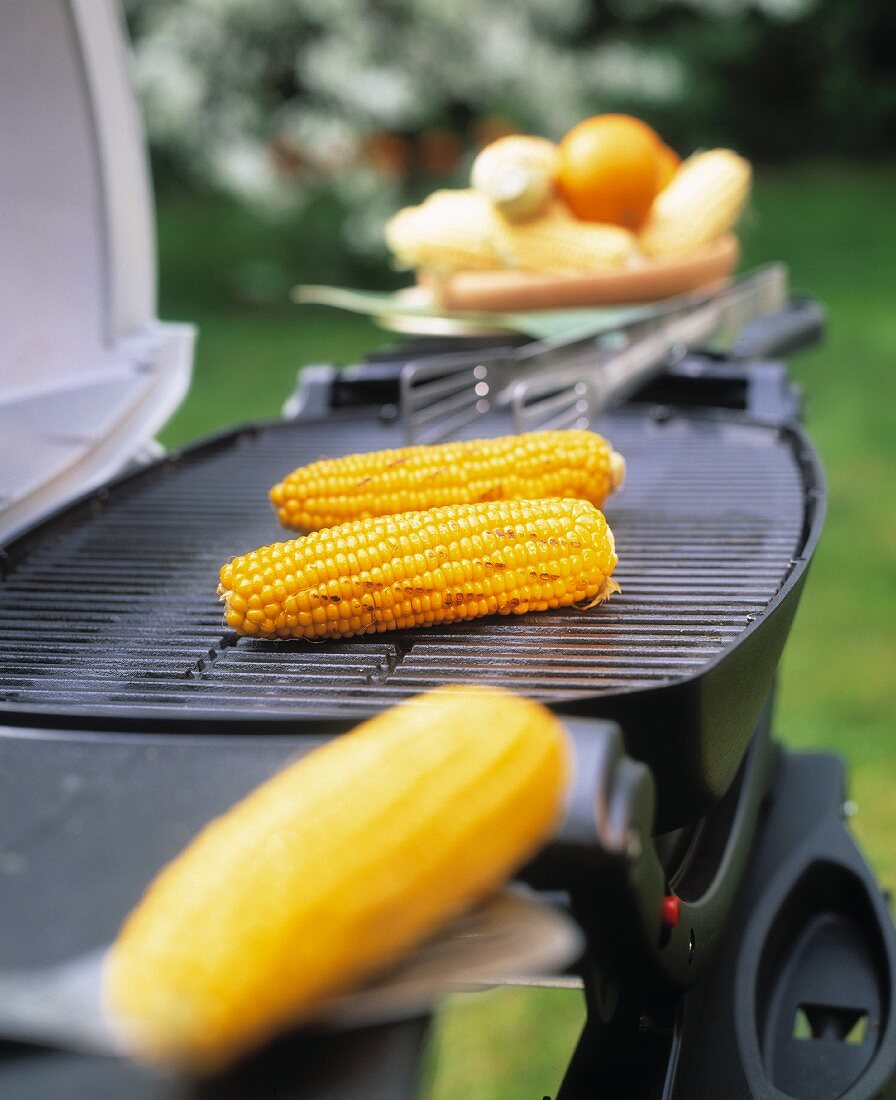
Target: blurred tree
pixel 378 100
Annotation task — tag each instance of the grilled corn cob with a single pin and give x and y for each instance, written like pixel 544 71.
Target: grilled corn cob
pixel 703 200
pixel 517 173
pixel 464 231
pixel 540 464
pixel 421 568
pixel 333 869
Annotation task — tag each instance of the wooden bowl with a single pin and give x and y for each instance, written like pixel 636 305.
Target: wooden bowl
pixel 650 280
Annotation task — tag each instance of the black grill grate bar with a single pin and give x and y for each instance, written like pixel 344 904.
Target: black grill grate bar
pixel 289 653
pixel 695 624
pixel 234 696
pixel 662 667
pixel 611 656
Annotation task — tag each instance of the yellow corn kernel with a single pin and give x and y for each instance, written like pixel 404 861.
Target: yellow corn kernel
pixel 501 557
pixel 703 201
pixel 539 464
pixel 333 870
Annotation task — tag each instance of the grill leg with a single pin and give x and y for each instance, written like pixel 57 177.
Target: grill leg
pixel 800 999
pixel 617 1058
pixel 800 1002
pixel 376 1063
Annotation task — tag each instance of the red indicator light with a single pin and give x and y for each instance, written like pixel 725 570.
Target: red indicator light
pixel 671 910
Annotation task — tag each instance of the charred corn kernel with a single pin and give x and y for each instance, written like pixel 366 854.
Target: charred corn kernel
pixel 333 870
pixel 704 200
pixel 517 173
pixel 466 560
pixel 540 464
pixel 463 230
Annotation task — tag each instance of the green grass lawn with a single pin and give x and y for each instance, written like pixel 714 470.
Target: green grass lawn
pixel 834 226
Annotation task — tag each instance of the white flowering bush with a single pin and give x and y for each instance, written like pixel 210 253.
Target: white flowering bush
pixel 276 99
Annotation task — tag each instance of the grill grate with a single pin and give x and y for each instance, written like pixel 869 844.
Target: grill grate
pixel 110 609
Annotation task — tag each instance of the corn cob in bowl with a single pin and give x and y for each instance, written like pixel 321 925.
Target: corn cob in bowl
pixel 422 568
pixel 463 231
pixel 332 870
pixel 703 202
pixel 610 215
pixel 408 479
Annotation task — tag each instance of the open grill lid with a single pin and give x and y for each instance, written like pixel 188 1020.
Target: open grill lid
pixel 87 373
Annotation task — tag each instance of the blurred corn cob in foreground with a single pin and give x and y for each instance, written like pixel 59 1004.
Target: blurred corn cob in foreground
pixel 464 230
pixel 535 465
pixel 421 568
pixel 333 870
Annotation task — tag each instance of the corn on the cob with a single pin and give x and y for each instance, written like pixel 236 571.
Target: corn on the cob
pixel 421 568
pixel 464 231
pixel 704 200
pixel 557 242
pixel 450 230
pixel 517 173
pixel 409 479
pixel 333 869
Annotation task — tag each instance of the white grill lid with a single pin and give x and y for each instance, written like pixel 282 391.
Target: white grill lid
pixel 87 373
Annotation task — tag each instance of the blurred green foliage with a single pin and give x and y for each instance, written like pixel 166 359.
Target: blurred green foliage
pixel 776 81
pixel 352 108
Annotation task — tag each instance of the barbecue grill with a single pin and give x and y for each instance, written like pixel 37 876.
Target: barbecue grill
pixel 720 896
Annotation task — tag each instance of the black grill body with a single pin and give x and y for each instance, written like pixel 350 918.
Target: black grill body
pixel 130 716
pixel 108 613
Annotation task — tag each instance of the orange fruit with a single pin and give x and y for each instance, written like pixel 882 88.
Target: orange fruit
pixel 670 162
pixel 610 169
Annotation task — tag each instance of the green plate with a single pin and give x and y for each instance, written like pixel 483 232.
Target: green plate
pixel 406 311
